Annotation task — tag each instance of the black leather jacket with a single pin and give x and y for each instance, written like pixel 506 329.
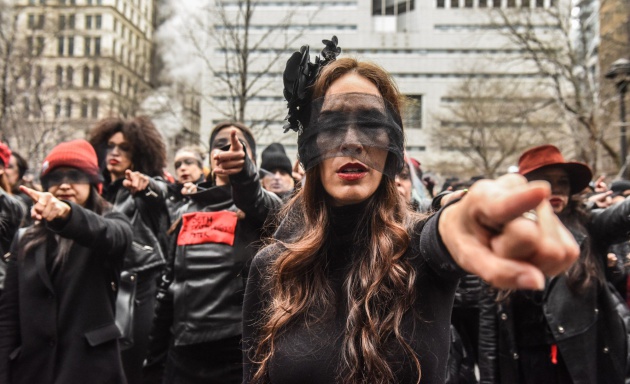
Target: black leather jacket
pixel 12 215
pixel 175 200
pixel 149 219
pixel 201 295
pixel 589 332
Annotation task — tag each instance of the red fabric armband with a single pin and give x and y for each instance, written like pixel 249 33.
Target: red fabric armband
pixel 207 227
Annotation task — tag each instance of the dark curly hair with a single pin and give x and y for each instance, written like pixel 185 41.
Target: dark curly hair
pixel 148 150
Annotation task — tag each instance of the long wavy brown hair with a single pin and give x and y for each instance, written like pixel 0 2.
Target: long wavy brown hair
pixel 148 151
pixel 380 283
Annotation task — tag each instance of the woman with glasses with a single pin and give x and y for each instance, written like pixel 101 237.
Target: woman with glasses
pixel 57 311
pixel 133 156
pixel 188 173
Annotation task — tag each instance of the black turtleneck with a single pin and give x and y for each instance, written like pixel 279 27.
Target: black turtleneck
pixel 311 353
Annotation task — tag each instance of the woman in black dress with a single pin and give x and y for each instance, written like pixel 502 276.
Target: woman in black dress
pixel 355 287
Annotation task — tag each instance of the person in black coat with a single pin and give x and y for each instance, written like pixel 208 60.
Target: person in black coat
pixel 132 155
pixel 571 332
pixel 199 311
pixel 57 311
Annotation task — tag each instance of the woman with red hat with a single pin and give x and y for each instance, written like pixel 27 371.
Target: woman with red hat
pixel 570 332
pixel 57 310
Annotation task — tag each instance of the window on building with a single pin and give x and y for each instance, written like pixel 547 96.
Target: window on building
pixel 392 7
pixel 62 2
pixel 525 3
pixel 511 3
pixel 454 3
pixel 39 75
pixel 57 109
pixel 540 3
pixel 99 2
pixel 95 108
pixel 496 3
pixel 59 75
pixel 88 22
pixel 42 2
pixel 98 21
pixel 413 112
pixel 86 77
pixel 96 77
pixel 89 2
pixel 97 46
pixel 26 107
pixel 70 46
pixel 87 46
pixel 29 45
pixel 468 3
pixel 84 108
pixel 62 22
pixel 40 21
pixel 40 45
pixel 70 77
pixel 483 3
pixel 112 80
pixel 440 3
pixel 71 21
pixel 31 21
pixel 73 2
pixel 27 74
pixel 68 107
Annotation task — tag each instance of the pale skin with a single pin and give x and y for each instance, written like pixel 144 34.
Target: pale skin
pixel 485 231
pixel 119 165
pixel 46 206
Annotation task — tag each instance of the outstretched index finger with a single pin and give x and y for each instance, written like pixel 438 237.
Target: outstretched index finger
pixel 235 144
pixel 33 194
pixel 128 174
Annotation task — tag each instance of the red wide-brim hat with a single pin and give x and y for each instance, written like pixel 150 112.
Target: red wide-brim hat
pixel 548 155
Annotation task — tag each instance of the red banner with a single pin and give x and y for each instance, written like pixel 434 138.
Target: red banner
pixel 207 227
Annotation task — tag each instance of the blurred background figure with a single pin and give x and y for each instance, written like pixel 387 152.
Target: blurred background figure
pixel 620 190
pixel 189 172
pixel 12 211
pixel 16 170
pixel 132 157
pixel 276 171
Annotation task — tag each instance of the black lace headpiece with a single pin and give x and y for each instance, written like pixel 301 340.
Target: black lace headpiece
pixel 299 77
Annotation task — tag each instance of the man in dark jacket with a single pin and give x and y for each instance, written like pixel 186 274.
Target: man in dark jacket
pixel 216 238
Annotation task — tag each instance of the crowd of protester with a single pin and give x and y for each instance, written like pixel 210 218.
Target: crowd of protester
pixel 350 265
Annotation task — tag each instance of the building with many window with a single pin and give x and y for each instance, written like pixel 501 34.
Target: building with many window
pixel 83 60
pixel 428 46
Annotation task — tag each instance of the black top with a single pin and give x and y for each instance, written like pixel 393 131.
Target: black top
pixel 313 354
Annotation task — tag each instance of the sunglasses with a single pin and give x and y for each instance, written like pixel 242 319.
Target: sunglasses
pixel 122 147
pixel 72 176
pixel 187 161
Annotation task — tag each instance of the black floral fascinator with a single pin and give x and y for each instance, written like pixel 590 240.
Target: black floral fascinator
pixel 299 76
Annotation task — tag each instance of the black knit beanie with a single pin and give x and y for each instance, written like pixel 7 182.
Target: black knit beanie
pixel 275 157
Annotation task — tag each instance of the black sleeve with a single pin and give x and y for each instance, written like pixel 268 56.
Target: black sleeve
pixel 12 212
pixel 434 250
pixel 111 232
pixel 488 336
pixel 9 316
pixel 249 195
pixel 254 304
pixel 610 225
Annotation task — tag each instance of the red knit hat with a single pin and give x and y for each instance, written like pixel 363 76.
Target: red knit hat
pixel 547 155
pixel 77 154
pixel 5 154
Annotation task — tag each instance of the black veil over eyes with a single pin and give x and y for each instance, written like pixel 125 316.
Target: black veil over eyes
pixel 356 125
